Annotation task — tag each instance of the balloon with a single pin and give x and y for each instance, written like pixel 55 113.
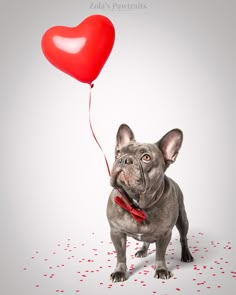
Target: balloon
pixel 80 51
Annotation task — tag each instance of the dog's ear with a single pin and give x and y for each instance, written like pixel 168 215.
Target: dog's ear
pixel 170 145
pixel 124 136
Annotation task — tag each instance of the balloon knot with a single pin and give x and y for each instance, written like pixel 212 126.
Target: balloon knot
pixel 91 85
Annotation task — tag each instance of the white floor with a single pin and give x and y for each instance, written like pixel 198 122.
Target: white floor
pixel 82 265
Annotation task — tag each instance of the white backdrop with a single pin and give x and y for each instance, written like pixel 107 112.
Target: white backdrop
pixel 172 65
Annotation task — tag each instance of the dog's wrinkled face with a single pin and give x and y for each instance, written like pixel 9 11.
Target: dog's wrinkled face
pixel 139 167
pixel 136 166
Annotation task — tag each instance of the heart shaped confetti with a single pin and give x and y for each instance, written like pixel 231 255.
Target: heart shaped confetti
pixel 77 266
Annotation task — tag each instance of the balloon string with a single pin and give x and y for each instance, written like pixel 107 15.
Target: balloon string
pixel 123 202
pixel 91 127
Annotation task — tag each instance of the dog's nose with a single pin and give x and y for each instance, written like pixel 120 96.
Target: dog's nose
pixel 128 161
pixel 125 161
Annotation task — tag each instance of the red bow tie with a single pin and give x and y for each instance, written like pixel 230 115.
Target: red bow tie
pixel 137 214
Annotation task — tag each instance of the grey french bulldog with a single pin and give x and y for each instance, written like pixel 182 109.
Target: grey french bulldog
pixel 138 173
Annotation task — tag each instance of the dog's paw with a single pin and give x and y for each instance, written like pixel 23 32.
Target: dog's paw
pixel 118 276
pixel 163 274
pixel 141 253
pixel 186 256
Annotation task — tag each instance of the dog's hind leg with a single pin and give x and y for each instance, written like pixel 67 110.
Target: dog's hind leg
pixel 182 226
pixel 143 251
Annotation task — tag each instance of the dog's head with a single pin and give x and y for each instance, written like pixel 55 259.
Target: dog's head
pixel 139 167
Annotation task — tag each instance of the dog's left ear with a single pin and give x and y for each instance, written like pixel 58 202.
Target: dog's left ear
pixel 124 136
pixel 170 145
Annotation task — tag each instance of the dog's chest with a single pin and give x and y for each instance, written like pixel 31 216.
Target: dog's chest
pixel 156 225
pixel 160 218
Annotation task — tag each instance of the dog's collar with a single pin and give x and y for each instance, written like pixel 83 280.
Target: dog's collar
pixel 137 213
pixel 134 211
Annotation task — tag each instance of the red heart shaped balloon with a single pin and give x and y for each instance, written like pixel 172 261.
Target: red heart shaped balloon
pixel 80 51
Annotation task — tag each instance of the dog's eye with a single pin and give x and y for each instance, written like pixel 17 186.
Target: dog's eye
pixel 118 154
pixel 146 158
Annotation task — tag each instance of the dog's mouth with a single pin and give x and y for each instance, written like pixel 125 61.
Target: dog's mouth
pixel 119 178
pixel 123 179
pixel 130 181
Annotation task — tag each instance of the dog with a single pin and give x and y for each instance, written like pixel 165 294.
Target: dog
pixel 138 180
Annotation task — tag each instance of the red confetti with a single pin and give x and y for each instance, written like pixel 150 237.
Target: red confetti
pixel 139 271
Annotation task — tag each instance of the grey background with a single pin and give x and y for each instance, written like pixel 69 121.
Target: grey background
pixel 173 65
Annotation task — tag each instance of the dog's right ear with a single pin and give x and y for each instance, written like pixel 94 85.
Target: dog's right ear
pixel 170 145
pixel 124 136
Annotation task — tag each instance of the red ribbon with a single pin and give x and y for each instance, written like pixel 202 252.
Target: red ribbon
pixel 137 214
pixel 123 202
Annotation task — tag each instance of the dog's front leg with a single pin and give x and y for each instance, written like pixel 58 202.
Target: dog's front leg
pixel 161 271
pixel 119 241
